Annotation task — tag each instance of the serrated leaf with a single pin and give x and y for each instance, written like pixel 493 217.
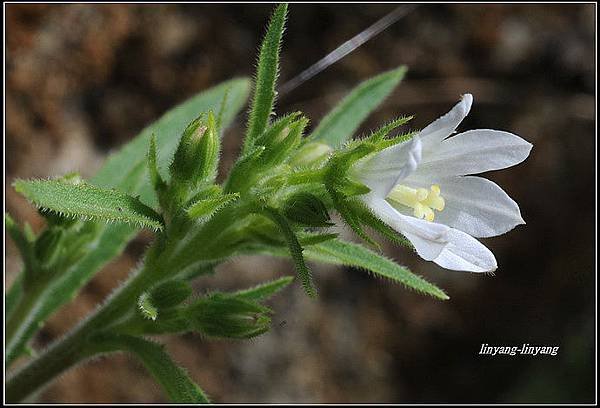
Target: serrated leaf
pixel 264 290
pixel 266 75
pixel 88 202
pixel 340 124
pixel 175 381
pixel 346 253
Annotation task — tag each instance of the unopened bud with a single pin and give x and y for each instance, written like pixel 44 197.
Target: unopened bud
pixel 221 315
pixel 170 293
pixel 306 209
pixel 196 157
pixel 311 154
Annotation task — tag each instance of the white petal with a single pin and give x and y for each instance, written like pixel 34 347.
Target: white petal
pixel 381 171
pixel 448 247
pixel 443 127
pixel 475 151
pixel 475 205
pixel 465 253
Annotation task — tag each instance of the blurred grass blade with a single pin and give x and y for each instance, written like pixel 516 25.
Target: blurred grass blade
pixel 340 123
pixel 175 381
pixel 263 100
pixel 346 253
pixel 88 202
pixel 126 170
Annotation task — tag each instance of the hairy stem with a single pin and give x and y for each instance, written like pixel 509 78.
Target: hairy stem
pixel 75 346
pixel 17 320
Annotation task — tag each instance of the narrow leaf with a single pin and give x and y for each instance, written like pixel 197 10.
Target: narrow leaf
pixel 384 130
pixel 22 242
pixel 295 250
pixel 264 290
pixel 206 207
pixel 370 219
pixel 88 202
pixel 13 296
pixel 340 124
pixel 313 239
pixel 350 254
pixel 175 381
pixel 268 69
pixel 155 177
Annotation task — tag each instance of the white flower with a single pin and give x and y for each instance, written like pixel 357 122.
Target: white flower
pixel 421 188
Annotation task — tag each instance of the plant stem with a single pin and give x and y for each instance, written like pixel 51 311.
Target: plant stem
pixel 75 346
pixel 17 318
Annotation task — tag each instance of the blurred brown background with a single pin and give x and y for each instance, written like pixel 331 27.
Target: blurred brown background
pixel 83 79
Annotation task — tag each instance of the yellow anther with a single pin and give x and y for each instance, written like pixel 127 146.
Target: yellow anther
pixel 434 199
pixel 421 200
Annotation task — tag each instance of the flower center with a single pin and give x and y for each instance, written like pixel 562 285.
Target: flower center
pixel 423 201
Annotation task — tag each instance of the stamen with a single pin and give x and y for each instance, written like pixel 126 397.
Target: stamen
pixel 421 200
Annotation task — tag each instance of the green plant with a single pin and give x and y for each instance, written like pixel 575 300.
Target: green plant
pixel 276 199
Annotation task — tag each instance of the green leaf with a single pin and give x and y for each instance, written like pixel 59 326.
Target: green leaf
pixel 295 250
pixel 264 290
pixel 208 206
pixel 340 124
pixel 312 239
pixel 13 296
pixel 266 75
pixel 351 217
pixel 155 177
pixel 23 244
pixel 88 202
pixel 346 253
pixel 366 216
pixel 175 381
pixel 379 134
pixel 126 171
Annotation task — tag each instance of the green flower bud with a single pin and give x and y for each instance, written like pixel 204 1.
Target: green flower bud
pixel 170 293
pixel 197 154
pixel 311 154
pixel 226 316
pixel 306 209
pixel 281 139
